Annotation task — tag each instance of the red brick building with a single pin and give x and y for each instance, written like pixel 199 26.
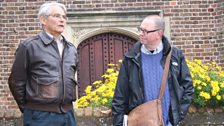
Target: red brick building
pixel 103 30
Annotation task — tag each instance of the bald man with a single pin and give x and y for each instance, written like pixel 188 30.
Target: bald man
pixel 141 74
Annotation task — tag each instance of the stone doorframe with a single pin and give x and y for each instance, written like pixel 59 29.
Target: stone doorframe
pixel 80 36
pixel 85 24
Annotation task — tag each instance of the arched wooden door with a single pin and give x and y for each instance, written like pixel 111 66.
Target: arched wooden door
pixel 98 51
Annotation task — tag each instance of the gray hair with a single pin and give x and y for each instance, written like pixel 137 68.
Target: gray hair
pixel 44 9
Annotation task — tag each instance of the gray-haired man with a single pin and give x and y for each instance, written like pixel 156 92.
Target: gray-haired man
pixel 42 78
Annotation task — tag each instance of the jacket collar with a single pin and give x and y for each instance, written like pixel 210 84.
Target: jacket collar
pixel 136 50
pixel 46 39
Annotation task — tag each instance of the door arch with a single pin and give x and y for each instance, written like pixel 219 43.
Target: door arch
pixel 98 51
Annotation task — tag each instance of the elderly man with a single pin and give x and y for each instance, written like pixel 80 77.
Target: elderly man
pixel 141 73
pixel 42 79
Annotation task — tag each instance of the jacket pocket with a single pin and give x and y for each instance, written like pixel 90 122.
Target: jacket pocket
pixel 43 89
pixel 48 88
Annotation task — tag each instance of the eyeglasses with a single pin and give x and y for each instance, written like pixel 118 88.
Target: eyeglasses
pixel 58 16
pixel 146 31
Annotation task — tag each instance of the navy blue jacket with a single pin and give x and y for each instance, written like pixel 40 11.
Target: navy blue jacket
pixel 129 91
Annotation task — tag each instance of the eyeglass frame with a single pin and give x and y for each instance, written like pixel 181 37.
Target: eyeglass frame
pixel 147 31
pixel 59 16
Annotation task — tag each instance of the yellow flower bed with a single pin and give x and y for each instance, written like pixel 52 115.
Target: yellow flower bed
pixel 208 81
pixel 101 93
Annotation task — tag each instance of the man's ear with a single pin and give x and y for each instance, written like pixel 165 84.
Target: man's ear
pixel 161 32
pixel 43 20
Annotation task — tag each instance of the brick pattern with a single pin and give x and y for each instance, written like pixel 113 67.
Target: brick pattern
pixel 196 28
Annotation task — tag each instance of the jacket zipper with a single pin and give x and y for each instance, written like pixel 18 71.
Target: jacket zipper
pixel 141 84
pixel 62 76
pixel 139 76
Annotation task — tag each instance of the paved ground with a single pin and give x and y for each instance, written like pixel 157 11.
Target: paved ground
pixel 190 120
pixel 11 122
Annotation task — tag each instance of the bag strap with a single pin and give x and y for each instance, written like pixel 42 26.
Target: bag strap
pixel 165 73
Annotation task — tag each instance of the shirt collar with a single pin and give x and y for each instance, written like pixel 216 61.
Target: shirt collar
pixel 157 50
pixel 51 36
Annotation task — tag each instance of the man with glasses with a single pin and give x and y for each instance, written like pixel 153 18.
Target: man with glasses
pixel 141 73
pixel 42 79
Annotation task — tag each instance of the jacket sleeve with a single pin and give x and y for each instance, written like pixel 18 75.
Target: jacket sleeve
pixel 18 77
pixel 120 99
pixel 186 82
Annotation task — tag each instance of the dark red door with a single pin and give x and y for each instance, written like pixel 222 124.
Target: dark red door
pixel 98 51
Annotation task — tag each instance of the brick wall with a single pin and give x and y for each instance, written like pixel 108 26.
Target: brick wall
pixel 196 28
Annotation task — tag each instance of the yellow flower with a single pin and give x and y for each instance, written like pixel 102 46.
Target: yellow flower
pixel 120 61
pixel 216 89
pixel 95 99
pixel 214 83
pixel 196 82
pixel 198 61
pixel 104 101
pixel 88 89
pixel 206 67
pixel 214 93
pixel 199 87
pixel 221 73
pixel 218 97
pixel 222 85
pixel 97 82
pixel 110 70
pixel 203 84
pixel 111 65
pixel 205 95
pixel 219 68
pixel 207 78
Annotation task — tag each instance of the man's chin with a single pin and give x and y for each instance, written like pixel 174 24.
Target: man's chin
pixel 142 41
pixel 61 31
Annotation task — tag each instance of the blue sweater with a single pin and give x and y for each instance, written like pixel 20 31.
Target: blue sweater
pixel 152 77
